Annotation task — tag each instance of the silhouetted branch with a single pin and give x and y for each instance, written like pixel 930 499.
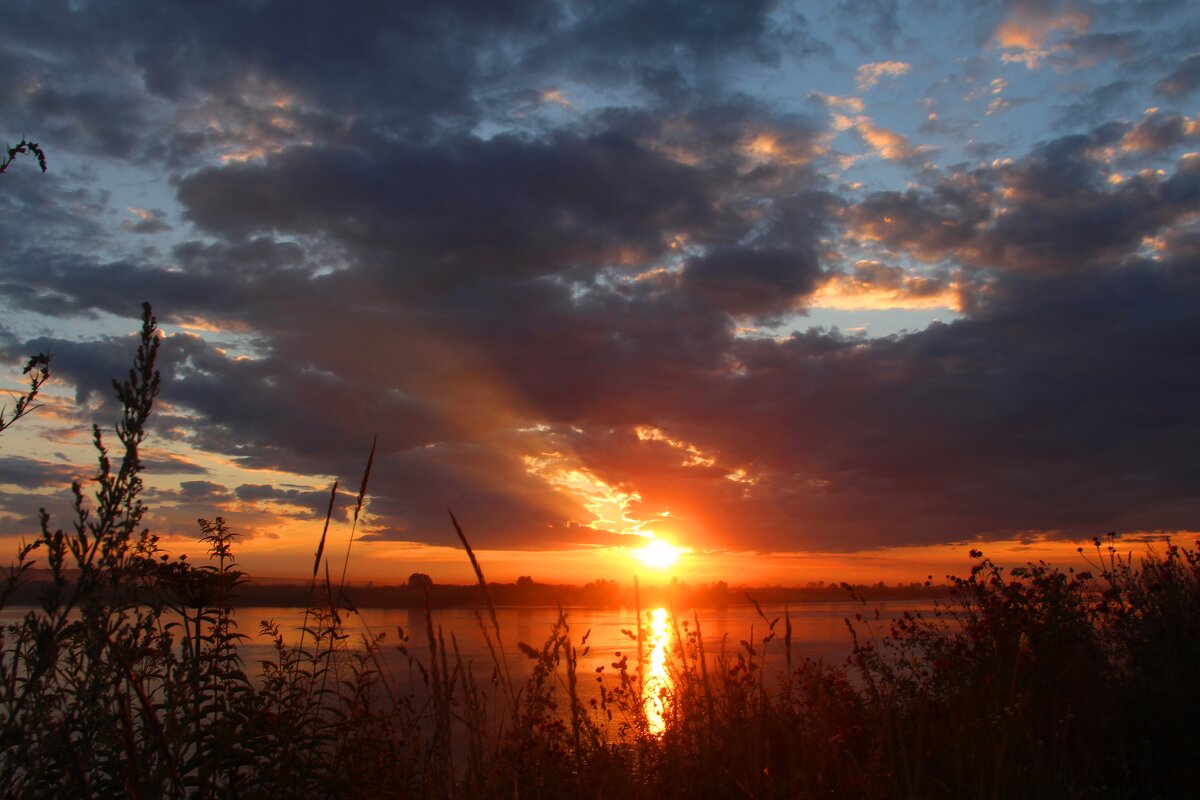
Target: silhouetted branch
pixel 39 366
pixel 24 147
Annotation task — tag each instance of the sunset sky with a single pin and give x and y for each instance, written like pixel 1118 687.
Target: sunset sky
pixel 826 290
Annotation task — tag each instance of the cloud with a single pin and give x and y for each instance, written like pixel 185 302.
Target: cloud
pixel 634 43
pixel 1000 105
pixel 723 135
pixel 1086 51
pixel 162 463
pixel 868 75
pixel 1182 81
pixel 33 473
pixel 923 435
pixel 1096 104
pixel 873 285
pixel 887 144
pixel 1157 132
pixel 312 504
pixel 1053 210
pixel 1027 33
pixel 793 148
pixel 21 510
pixel 68 215
pixel 752 281
pixel 704 29
pixel 850 104
pixel 149 220
pixel 509 204
pixel 870 24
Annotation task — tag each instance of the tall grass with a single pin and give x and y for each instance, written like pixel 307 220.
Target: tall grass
pixel 127 680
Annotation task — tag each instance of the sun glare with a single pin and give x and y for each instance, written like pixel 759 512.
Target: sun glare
pixel 658 554
pixel 656 690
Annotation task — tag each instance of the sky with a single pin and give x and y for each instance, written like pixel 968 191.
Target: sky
pixel 810 290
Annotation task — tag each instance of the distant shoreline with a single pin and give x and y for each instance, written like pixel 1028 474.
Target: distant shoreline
pixel 601 594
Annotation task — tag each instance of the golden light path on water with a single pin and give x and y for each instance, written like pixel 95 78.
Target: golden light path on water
pixel 656 682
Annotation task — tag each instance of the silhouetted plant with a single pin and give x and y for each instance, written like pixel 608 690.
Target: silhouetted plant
pixel 21 148
pixel 38 370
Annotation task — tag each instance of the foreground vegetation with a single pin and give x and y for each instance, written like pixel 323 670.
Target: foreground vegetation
pixel 126 681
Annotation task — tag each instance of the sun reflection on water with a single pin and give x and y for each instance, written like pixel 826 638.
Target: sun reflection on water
pixel 657 685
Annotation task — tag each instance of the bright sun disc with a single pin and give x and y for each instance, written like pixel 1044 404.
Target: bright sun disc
pixel 658 554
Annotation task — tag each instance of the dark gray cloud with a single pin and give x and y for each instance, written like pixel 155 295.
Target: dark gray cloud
pixel 1068 224
pixel 1158 132
pixel 1096 105
pixel 167 464
pixel 1014 420
pixel 409 68
pixel 871 24
pixel 315 504
pixel 1093 47
pixel 517 206
pixel 33 473
pixel 22 510
pixel 1066 215
pixel 752 281
pixel 645 43
pixel 39 209
pixel 701 30
pixel 293 71
pixel 963 412
pixel 91 120
pixel 1182 81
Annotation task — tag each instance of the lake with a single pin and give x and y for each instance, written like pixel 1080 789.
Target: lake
pixel 818 628
pixel 819 631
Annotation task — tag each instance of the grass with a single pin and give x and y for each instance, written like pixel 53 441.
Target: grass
pixel 127 681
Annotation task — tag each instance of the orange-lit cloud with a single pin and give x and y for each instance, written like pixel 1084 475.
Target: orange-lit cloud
pixel 1026 34
pixel 1157 131
pixel 888 144
pixel 612 508
pixel 876 286
pixel 148 220
pixel 200 325
pixel 557 97
pixel 783 147
pixel 869 75
pixel 242 154
pixel 693 456
pixel 845 103
pixel 258 118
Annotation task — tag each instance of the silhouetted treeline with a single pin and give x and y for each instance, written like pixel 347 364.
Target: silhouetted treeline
pixel 597 594
pixel 527 592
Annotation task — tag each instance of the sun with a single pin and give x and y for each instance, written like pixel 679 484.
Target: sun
pixel 658 554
